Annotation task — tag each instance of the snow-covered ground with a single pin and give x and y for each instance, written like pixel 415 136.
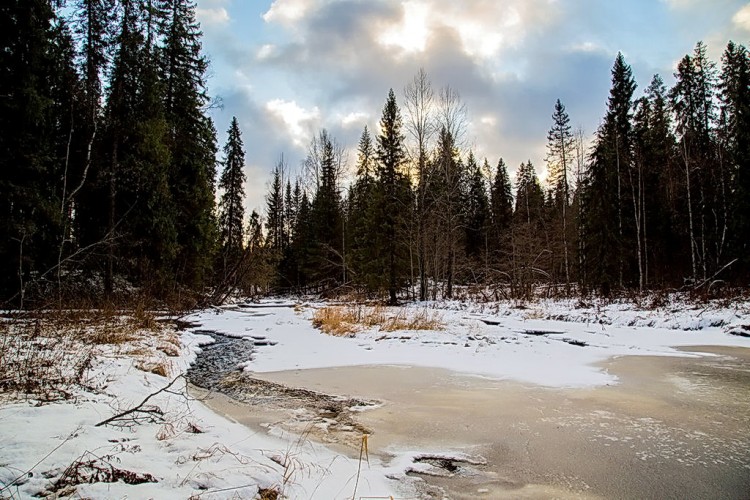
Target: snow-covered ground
pixel 185 451
pixel 554 343
pixel 189 451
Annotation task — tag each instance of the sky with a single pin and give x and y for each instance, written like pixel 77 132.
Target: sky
pixel 289 68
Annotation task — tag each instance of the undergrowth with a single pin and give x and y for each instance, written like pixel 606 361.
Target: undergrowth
pixel 45 355
pixel 347 320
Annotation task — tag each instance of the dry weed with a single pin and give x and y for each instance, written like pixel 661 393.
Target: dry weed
pixel 336 321
pixel 159 367
pixel 268 494
pixel 343 321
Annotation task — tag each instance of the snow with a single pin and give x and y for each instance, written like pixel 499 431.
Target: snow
pixel 39 442
pixel 568 356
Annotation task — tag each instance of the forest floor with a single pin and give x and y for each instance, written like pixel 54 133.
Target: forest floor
pixel 456 400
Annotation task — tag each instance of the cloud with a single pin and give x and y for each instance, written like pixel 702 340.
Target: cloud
pixel 330 63
pixel 741 18
pixel 212 16
pixel 300 124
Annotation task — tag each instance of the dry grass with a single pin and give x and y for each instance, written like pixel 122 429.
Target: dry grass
pixel 268 494
pixel 44 355
pixel 345 321
pixel 160 367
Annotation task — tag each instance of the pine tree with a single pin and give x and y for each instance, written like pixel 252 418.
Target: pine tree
pixel 694 108
pixel 528 234
pixel 477 211
pixel 735 102
pixel 559 158
pixel 501 206
pixel 275 210
pixel 393 197
pixel 191 140
pixel 605 215
pixel 326 213
pixel 34 132
pixel 362 223
pixel 231 206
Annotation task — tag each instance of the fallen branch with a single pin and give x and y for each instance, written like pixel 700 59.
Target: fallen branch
pixel 142 408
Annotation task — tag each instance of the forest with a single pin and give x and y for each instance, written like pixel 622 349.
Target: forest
pixel 112 183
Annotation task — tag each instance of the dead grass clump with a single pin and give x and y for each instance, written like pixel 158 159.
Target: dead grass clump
pixel 344 321
pixel 169 349
pixel 335 320
pixel 163 368
pixel 415 320
pixel 268 494
pixel 110 335
pixel 89 468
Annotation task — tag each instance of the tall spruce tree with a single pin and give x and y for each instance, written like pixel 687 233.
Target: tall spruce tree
pixel 362 223
pixel 327 217
pixel 735 108
pixel 501 208
pixel 529 247
pixel 560 147
pixel 477 212
pixel 31 143
pixel 692 99
pixel 191 140
pixel 231 206
pixel 392 198
pixel 605 215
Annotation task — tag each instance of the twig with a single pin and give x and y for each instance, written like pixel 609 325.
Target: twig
pixel 70 436
pixel 140 408
pixel 700 285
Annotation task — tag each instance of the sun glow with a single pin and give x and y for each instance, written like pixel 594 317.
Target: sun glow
pixel 411 34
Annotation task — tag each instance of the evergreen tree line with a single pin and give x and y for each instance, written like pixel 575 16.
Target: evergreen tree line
pixel 658 199
pixel 108 158
pixel 108 175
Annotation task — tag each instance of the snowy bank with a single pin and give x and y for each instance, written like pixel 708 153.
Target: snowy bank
pixel 553 344
pixel 173 447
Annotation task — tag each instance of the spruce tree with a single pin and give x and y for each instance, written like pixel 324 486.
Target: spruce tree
pixel 362 222
pixel 231 206
pixel 275 210
pixel 34 132
pixel 326 213
pixel 501 207
pixel 477 211
pixel 605 215
pixel 393 198
pixel 191 140
pixel 692 99
pixel 528 234
pixel 735 108
pixel 559 158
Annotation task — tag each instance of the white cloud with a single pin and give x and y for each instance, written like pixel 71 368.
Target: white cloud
pixel 300 123
pixel 288 11
pixel 410 35
pixel 212 16
pixel 742 18
pixel 355 118
pixel 266 51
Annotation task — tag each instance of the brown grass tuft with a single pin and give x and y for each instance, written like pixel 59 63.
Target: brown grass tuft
pixel 345 321
pixel 162 368
pixel 268 494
